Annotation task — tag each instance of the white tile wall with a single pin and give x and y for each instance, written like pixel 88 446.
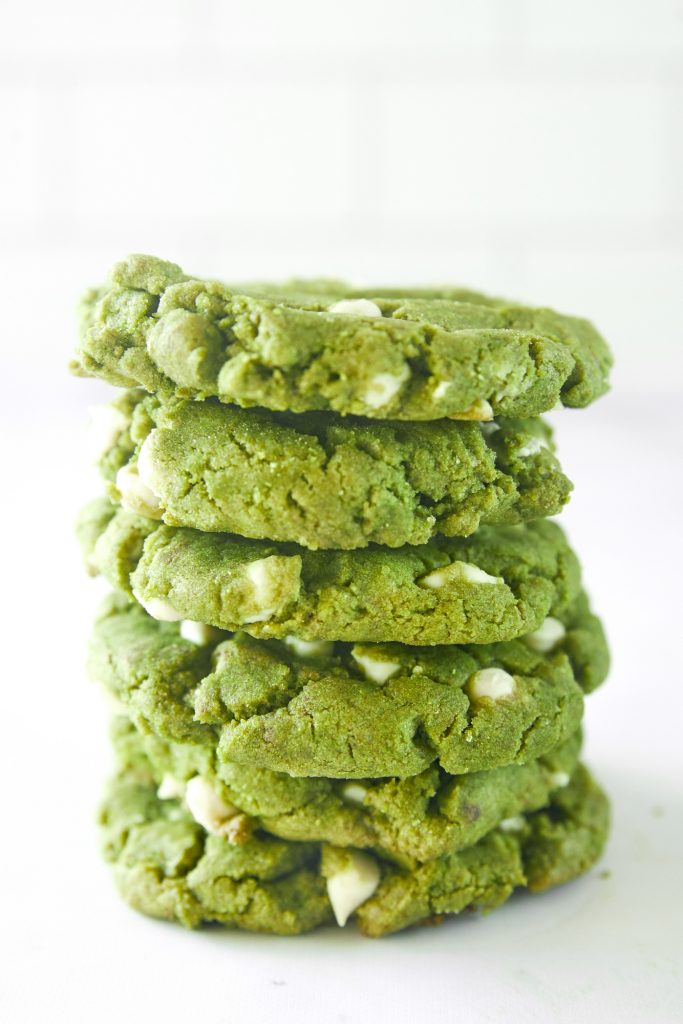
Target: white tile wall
pixel 354 26
pixel 523 153
pixel 21 173
pixel 532 147
pixel 248 152
pixel 78 30
pixel 603 27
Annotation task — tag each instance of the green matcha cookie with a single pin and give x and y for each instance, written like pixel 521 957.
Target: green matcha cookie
pixel 497 584
pixel 405 820
pixel 361 711
pixel 399 357
pixel 325 482
pixel 553 846
pixel 168 866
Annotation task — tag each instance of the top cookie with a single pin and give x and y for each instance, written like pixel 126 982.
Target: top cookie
pixel 391 355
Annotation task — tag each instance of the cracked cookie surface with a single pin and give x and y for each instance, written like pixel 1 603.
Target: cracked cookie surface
pixel 348 711
pixel 407 821
pixel 463 356
pixel 168 866
pixel 322 481
pixel 499 583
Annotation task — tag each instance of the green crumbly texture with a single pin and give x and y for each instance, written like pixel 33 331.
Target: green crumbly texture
pixel 408 821
pixel 556 845
pixel 258 703
pixel 378 594
pixel 424 358
pixel 325 482
pixel 167 866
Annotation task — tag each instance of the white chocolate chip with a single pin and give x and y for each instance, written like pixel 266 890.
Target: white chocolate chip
pixel 262 616
pixel 383 387
pixel 441 388
pixel 558 780
pixel 136 496
pixel 198 632
pixel 159 609
pixel 105 423
pixel 207 808
pixel 489 428
pixel 473 574
pixel 515 824
pixel 374 669
pixel 147 469
pixel 310 648
pixel 355 307
pixel 479 410
pixel 491 684
pixel 171 788
pixel 353 885
pixel 260 574
pixel 547 636
pixel 354 793
pixel 257 572
pixel 532 447
pixel 457 571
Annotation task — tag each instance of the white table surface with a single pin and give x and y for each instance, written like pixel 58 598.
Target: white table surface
pixel 607 948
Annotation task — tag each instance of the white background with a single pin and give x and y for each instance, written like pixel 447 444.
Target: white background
pixel 531 147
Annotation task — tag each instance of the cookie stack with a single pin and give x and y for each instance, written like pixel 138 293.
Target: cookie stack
pixel 347 650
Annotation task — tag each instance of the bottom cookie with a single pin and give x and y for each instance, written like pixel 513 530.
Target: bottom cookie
pixel 167 866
